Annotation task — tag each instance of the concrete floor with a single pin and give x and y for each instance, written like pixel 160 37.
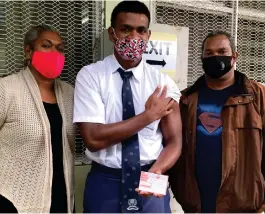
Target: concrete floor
pixel 175 206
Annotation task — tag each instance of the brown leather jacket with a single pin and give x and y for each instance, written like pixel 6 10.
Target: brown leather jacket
pixel 243 164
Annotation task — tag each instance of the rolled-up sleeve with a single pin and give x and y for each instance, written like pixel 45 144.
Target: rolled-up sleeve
pixel 88 104
pixel 172 89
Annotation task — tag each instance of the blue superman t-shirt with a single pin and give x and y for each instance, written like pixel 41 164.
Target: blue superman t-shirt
pixel 208 153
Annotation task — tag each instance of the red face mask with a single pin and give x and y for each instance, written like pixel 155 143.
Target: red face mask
pixel 48 64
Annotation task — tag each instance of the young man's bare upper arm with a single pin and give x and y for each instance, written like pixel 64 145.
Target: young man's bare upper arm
pixel 171 126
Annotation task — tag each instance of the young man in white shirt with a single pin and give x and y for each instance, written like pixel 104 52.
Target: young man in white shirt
pixel 126 122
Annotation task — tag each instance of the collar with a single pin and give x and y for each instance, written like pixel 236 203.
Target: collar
pixel 137 71
pixel 243 85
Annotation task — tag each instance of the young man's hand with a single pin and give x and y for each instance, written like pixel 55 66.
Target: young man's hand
pixel 157 105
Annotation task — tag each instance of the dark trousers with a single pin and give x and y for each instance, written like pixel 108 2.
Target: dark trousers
pixel 103 193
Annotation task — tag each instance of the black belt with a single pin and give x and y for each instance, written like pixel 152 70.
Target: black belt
pixel 96 167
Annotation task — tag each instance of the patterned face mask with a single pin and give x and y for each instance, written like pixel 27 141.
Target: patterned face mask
pixel 130 49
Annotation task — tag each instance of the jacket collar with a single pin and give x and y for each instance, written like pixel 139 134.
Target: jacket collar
pixel 243 85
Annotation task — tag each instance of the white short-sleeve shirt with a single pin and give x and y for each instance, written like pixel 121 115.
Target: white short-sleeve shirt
pixel 98 99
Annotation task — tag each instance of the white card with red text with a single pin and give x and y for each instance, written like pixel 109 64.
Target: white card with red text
pixel 153 183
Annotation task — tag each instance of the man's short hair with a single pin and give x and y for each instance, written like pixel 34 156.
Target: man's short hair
pixel 129 7
pixel 220 33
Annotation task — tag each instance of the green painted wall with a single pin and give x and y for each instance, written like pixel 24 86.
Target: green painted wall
pixel 80 179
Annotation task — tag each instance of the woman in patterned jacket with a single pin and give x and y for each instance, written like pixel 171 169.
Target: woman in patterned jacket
pixel 37 134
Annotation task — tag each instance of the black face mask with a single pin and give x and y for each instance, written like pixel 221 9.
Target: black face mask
pixel 216 66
